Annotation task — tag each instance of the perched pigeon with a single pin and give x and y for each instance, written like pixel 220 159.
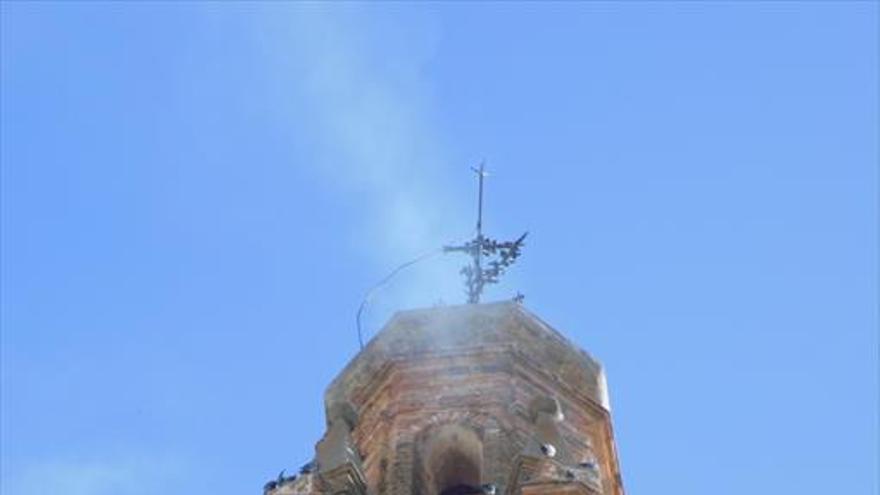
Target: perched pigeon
pixel 548 449
pixel 309 467
pixel 588 465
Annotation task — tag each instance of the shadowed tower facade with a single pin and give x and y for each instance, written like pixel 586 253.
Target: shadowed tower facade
pixel 478 398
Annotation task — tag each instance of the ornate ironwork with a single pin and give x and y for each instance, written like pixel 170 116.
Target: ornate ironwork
pixel 498 255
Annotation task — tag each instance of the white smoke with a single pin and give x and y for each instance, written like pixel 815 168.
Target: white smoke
pixel 370 114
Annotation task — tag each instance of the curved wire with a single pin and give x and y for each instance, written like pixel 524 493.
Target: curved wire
pixel 384 281
pixel 373 289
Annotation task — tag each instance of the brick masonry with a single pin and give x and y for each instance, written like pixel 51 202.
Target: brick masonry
pixel 465 396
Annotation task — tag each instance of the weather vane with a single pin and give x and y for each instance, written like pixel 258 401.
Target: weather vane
pixel 496 256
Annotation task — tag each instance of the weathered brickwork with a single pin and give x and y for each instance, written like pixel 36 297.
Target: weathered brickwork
pixel 466 399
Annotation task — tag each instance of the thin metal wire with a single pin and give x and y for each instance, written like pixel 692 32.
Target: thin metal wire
pixel 384 281
pixel 369 294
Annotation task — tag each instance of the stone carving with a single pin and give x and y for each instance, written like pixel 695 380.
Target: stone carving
pixel 546 414
pixel 545 466
pixel 338 462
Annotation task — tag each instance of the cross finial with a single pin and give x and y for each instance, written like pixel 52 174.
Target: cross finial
pixel 481 173
pixel 500 255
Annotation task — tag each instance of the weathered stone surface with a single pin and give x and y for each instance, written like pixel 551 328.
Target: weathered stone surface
pixel 469 395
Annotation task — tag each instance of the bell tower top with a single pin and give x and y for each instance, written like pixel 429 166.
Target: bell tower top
pixel 477 398
pixel 468 329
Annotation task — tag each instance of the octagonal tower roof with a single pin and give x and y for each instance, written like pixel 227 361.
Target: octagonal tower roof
pixel 455 330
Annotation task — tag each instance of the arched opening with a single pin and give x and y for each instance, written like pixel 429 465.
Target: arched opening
pixel 456 474
pixel 452 461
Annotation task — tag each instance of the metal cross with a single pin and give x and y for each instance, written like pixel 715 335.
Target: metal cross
pixel 500 254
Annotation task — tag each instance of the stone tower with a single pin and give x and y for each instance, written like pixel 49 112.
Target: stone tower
pixel 478 398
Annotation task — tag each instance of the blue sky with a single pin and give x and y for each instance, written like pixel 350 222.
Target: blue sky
pixel 196 196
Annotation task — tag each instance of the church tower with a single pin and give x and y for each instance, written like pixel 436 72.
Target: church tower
pixel 471 399
pixel 477 398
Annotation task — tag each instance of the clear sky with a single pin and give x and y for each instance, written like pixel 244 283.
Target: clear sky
pixel 195 197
